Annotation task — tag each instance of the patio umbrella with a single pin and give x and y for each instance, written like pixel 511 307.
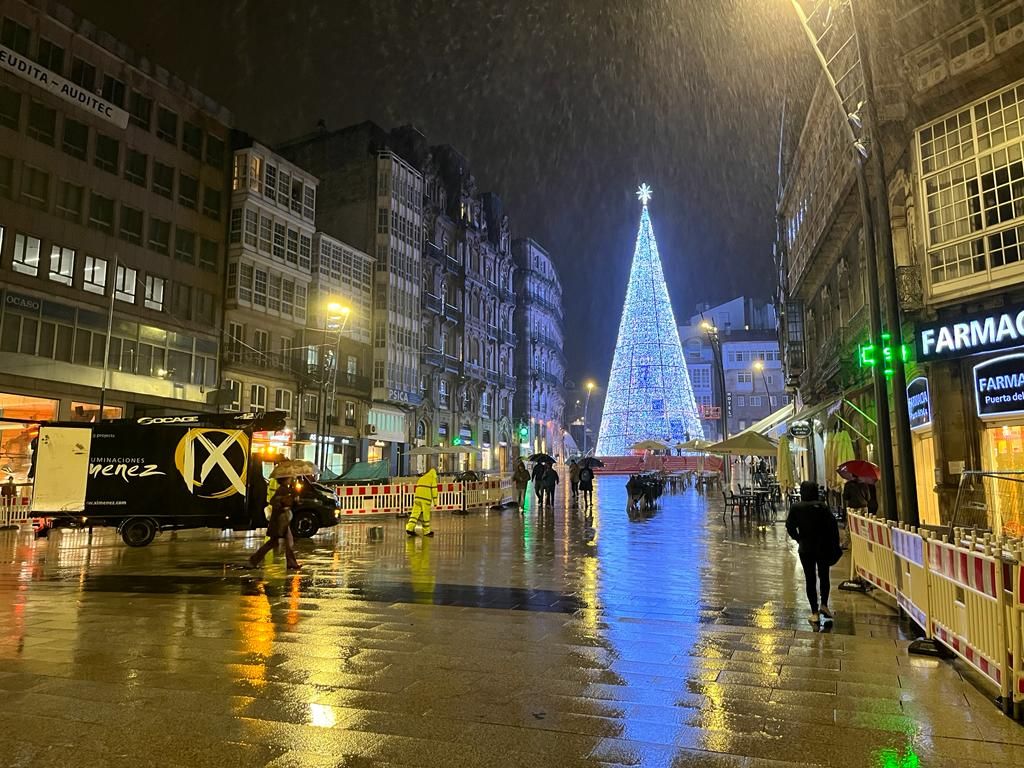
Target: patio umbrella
pixel 745 444
pixel 784 472
pixel 591 461
pixel 860 470
pixel 460 449
pixel 425 450
pixel 294 468
pixel 541 457
pixel 842 452
pixel 696 445
pixel 650 445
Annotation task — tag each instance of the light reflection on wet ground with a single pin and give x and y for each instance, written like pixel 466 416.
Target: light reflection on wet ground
pixel 550 638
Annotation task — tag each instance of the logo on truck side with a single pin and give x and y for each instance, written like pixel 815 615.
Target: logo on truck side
pixel 213 462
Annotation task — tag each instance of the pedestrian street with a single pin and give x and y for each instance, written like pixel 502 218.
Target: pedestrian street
pixel 555 638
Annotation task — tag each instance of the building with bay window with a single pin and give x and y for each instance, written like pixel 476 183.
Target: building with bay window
pixel 949 89
pixel 113 212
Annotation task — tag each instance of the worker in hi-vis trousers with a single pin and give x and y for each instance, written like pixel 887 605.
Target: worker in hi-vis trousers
pixel 422 502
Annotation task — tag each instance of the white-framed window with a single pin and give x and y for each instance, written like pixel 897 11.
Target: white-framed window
pixel 124 284
pixel 258 397
pixel 744 378
pixel 755 401
pixel 259 288
pixel 770 379
pixel 261 345
pixel 95 274
pixel 155 289
pixel 266 233
pixel 283 399
pixel 310 405
pixel 245 277
pixel 252 224
pixel 741 401
pixel 235 387
pixel 235 342
pixel 62 264
pixel 26 254
pixel 235 227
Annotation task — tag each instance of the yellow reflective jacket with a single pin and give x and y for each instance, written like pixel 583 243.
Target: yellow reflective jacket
pixel 426 487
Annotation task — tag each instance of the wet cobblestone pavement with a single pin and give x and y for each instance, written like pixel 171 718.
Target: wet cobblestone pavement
pixel 678 639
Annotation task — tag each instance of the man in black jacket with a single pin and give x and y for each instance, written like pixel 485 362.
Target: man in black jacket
pixel 810 523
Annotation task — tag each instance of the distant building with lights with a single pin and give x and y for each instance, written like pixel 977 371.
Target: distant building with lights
pixel 754 382
pixel 539 359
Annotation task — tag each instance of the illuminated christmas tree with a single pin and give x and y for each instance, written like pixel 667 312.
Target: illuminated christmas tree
pixel 649 395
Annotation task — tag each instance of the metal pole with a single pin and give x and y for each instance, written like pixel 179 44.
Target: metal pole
pixel 106 346
pixel 767 394
pixel 586 408
pixel 908 510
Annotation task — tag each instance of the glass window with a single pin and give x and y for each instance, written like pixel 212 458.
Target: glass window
pixel 188 191
pixel 26 254
pixel 10 108
pixel 76 138
pixel 260 288
pixel 6 176
pixel 279 238
pixel 235 387
pixel 155 287
pixel 95 274
pixel 211 203
pixel 51 56
pixel 62 264
pixel 270 187
pixel 42 122
pixel 16 437
pixel 113 90
pixel 163 180
pixel 214 151
pixel 140 109
pixel 160 235
pixel 245 274
pixel 167 125
pixel 209 256
pixel 35 187
pixel 15 36
pixel 101 213
pixel 266 233
pixel 251 226
pixel 235 226
pixel 204 307
pixel 124 284
pixel 108 153
pixel 192 140
pixel 182 298
pixel 283 399
pixel 293 246
pixel 185 245
pixel 258 397
pixel 70 200
pixel 131 224
pixel 136 165
pixel 309 202
pixel 83 73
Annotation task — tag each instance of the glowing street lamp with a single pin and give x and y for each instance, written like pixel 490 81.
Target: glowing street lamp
pixel 586 407
pixel 334 311
pixel 759 367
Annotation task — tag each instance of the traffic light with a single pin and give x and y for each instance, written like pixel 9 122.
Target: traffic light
pixel 456 441
pixel 524 432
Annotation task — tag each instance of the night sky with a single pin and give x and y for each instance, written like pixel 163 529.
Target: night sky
pixel 562 107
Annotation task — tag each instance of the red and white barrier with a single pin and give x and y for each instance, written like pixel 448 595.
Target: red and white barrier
pixel 396 498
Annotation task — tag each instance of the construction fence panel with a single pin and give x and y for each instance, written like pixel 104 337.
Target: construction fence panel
pixel 908 546
pixel 969 601
pixel 872 554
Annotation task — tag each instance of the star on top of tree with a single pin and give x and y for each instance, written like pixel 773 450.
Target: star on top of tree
pixel 644 193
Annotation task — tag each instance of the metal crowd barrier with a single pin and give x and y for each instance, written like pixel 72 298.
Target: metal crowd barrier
pixel 396 498
pixel 965 593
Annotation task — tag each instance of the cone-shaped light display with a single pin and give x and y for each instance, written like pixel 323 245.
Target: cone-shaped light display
pixel 649 396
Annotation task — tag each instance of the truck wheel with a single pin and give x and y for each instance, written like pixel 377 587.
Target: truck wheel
pixel 305 524
pixel 138 531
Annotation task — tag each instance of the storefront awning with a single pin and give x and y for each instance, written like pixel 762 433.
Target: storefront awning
pixel 768 424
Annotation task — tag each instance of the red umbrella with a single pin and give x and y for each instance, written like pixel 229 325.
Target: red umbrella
pixel 864 471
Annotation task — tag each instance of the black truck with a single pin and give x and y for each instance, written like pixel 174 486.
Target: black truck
pixel 150 474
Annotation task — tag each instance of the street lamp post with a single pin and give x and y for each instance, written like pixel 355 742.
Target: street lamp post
pixel 334 311
pixel 759 366
pixel 716 349
pixel 586 407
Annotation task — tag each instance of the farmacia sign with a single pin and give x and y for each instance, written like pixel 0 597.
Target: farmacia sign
pixel 983 332
pixel 999 386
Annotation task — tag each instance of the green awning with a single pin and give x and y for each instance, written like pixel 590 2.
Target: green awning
pixel 367 471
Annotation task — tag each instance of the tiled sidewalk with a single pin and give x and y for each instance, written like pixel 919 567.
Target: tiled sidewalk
pixel 676 640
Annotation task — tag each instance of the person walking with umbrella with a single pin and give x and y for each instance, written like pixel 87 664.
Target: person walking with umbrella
pixel 574 479
pixel 548 482
pixel 540 460
pixel 587 484
pixel 279 526
pixel 811 524
pixel 423 503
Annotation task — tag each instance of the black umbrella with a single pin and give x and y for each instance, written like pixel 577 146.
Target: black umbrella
pixel 591 461
pixel 542 457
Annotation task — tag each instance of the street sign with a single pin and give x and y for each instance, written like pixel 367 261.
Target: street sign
pixel 709 412
pixel 800 429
